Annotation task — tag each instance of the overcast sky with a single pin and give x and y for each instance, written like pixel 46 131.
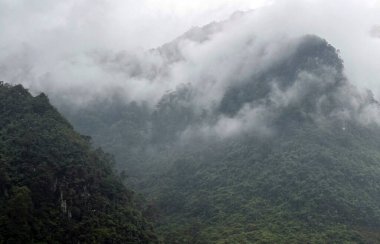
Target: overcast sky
pixel 37 34
pixel 112 23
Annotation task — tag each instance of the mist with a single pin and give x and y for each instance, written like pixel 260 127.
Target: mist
pixel 49 46
pixel 80 52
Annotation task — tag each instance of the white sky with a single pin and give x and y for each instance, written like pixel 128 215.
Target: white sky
pixel 166 19
pixel 117 23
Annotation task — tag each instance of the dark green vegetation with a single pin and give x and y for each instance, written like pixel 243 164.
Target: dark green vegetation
pixel 315 178
pixel 54 188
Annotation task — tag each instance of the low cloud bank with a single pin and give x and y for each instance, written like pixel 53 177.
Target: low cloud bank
pixel 78 63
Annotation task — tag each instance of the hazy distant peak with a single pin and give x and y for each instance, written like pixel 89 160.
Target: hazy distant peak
pixel 198 34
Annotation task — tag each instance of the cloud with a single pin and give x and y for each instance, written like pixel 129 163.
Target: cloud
pixel 375 31
pixel 80 51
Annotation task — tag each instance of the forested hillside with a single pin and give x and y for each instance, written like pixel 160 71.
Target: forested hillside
pixel 54 188
pixel 222 122
pixel 303 167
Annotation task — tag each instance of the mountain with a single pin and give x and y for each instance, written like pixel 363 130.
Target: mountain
pixel 171 52
pixel 54 188
pixel 271 143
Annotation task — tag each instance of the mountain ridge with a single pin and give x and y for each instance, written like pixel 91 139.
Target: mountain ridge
pixel 269 142
pixel 54 186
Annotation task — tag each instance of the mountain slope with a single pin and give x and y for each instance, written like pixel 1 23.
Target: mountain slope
pixel 265 140
pixel 313 177
pixel 303 167
pixel 318 184
pixel 54 188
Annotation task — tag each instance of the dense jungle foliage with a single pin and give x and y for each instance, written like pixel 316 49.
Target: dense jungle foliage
pixel 54 188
